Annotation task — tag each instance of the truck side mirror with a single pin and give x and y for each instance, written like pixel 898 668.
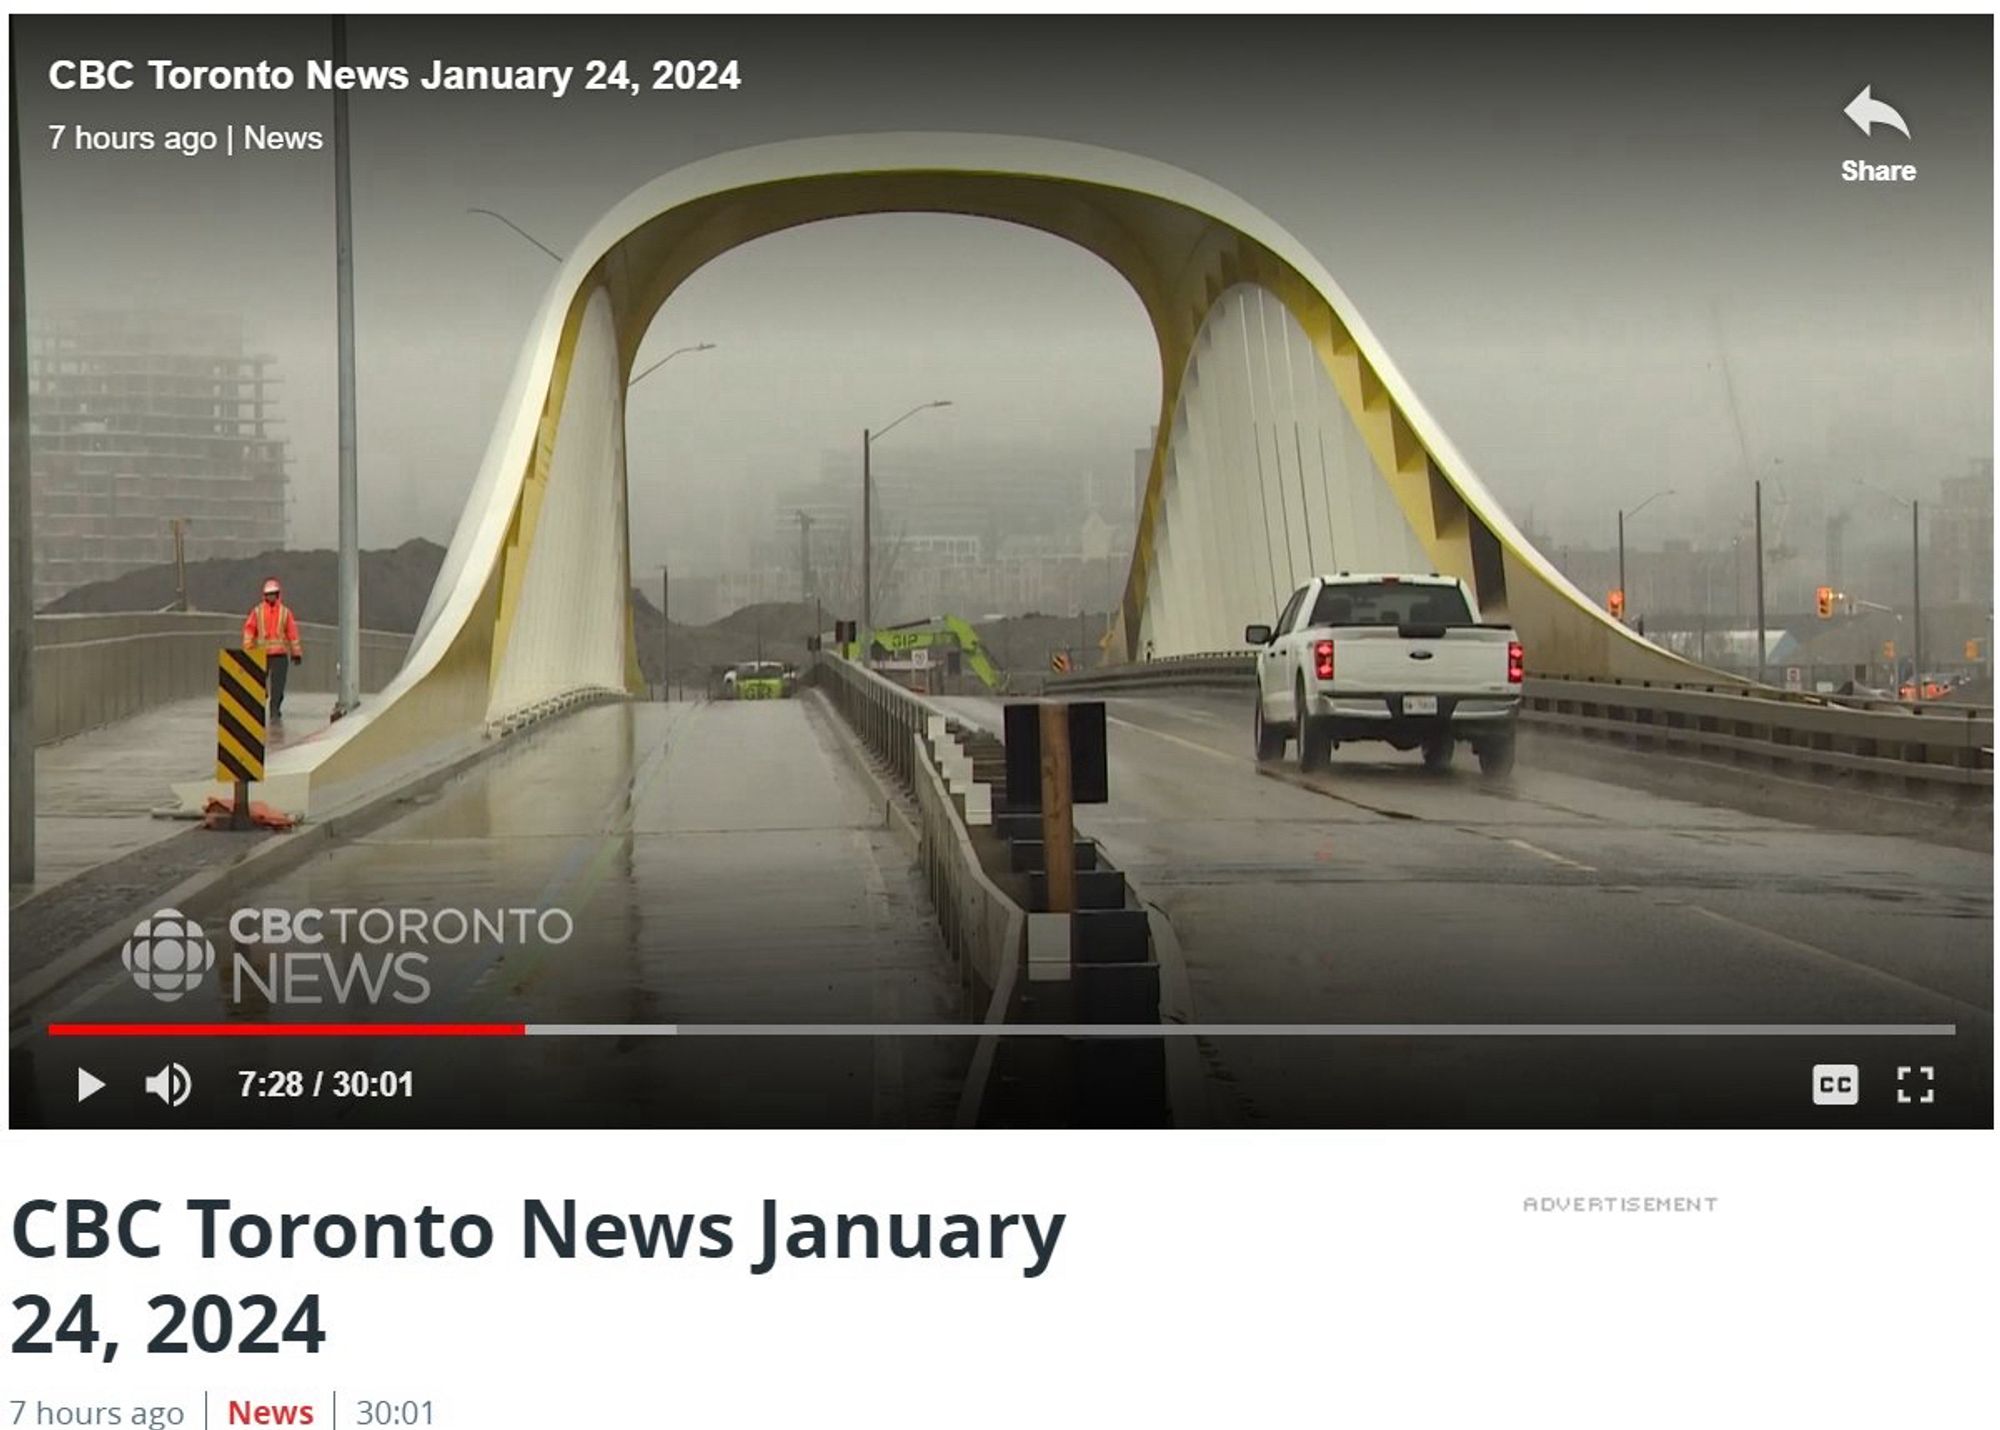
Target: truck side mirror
pixel 1257 635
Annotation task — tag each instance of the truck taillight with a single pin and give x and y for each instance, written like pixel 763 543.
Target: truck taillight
pixel 1323 659
pixel 1516 661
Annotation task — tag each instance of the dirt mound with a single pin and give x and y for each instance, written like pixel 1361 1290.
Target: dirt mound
pixel 774 630
pixel 394 585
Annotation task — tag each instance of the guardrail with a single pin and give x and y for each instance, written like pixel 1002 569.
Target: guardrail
pixel 1895 749
pixel 1235 670
pixel 1094 963
pixel 983 927
pixel 1914 748
pixel 93 669
pixel 885 716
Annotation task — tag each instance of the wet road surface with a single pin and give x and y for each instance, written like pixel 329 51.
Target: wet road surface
pixel 1382 892
pixel 690 863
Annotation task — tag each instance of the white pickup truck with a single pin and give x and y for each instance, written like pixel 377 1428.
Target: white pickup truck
pixel 1404 659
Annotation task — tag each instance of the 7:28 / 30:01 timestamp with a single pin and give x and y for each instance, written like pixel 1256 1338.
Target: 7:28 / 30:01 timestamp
pixel 320 1082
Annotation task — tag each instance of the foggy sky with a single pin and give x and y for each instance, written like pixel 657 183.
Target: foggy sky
pixel 1558 228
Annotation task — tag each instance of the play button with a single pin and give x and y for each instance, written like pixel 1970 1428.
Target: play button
pixel 86 1084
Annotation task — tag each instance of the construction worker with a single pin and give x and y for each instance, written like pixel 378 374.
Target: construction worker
pixel 272 628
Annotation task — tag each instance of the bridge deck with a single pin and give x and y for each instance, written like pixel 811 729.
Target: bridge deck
pixel 95 793
pixel 1381 892
pixel 721 862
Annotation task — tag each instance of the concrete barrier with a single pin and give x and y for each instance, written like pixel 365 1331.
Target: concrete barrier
pixel 985 930
pixel 94 669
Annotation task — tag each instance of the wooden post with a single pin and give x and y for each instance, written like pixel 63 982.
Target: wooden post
pixel 239 815
pixel 1058 818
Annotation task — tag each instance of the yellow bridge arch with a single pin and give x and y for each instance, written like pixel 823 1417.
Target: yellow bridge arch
pixel 1256 340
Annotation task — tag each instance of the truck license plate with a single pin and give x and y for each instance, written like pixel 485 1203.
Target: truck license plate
pixel 1420 705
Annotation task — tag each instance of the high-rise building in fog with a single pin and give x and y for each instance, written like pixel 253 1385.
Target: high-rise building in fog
pixel 139 419
pixel 1961 537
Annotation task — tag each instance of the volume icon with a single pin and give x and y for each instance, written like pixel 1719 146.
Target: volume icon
pixel 171 1084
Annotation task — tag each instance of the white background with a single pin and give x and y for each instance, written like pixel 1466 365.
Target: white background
pixel 1202 1279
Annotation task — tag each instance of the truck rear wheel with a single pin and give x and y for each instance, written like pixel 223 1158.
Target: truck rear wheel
pixel 1496 757
pixel 1270 738
pixel 1315 736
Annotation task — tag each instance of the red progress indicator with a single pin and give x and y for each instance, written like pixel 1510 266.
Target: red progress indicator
pixel 288 1030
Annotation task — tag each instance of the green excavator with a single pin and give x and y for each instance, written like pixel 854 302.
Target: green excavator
pixel 892 647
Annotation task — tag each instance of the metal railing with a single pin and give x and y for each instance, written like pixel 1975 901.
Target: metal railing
pixel 1225 669
pixel 887 717
pixel 92 669
pixel 984 929
pixel 1937 749
pixel 1912 748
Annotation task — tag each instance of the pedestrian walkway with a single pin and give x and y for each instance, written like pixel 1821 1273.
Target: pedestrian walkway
pixel 96 793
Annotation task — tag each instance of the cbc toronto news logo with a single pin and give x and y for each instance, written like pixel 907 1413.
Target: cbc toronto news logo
pixel 168 955
pixel 346 956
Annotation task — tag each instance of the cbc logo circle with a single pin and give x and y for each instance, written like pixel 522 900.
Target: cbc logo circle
pixel 168 954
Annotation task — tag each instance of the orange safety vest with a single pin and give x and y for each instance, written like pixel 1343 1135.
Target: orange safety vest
pixel 273 632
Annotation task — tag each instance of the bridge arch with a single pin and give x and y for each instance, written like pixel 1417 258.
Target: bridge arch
pixel 531 607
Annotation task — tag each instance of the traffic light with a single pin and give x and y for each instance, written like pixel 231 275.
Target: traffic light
pixel 1825 596
pixel 1972 650
pixel 1888 650
pixel 1615 603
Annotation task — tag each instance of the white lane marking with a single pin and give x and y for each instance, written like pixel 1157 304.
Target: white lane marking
pixel 1550 855
pixel 1814 950
pixel 1194 745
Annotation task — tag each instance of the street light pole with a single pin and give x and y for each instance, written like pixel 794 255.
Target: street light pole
pixel 867 539
pixel 868 439
pixel 20 537
pixel 666 579
pixel 1916 587
pixel 1624 598
pixel 348 693
pixel 1916 605
pixel 1759 496
pixel 518 229
pixel 1624 594
pixel 690 348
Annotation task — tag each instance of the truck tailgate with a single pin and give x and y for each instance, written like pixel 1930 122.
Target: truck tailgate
pixel 1458 660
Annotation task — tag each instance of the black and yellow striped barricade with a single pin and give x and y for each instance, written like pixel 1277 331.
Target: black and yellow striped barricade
pixel 240 685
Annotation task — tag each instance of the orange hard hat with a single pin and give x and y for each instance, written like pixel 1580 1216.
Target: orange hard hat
pixel 271 587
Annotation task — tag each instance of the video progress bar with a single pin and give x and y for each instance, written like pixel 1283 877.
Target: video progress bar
pixel 1003 1030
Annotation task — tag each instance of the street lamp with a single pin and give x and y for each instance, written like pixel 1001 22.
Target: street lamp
pixel 690 348
pixel 666 629
pixel 666 580
pixel 1916 586
pixel 868 440
pixel 1622 514
pixel 490 213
